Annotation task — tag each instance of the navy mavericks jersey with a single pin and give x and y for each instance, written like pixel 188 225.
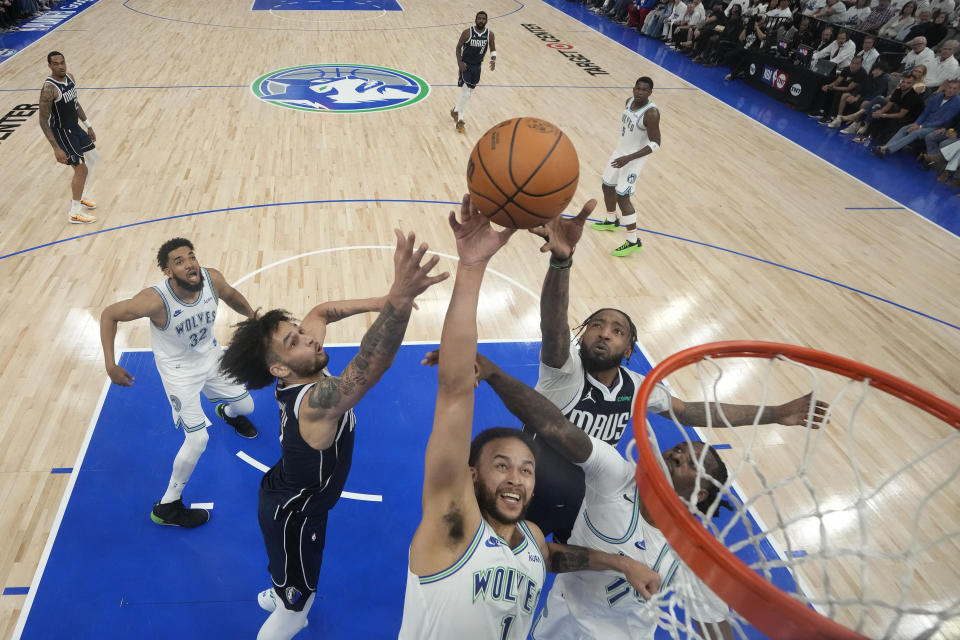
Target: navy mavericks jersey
pixel 312 480
pixel 63 113
pixel 475 48
pixel 603 413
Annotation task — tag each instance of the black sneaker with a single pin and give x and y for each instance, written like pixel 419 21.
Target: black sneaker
pixel 240 424
pixel 177 515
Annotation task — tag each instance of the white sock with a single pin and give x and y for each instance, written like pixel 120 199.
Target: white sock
pixel 74 206
pixel 461 107
pixel 632 236
pixel 194 442
pixel 241 407
pixel 611 216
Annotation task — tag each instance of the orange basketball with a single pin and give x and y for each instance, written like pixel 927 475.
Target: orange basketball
pixel 523 172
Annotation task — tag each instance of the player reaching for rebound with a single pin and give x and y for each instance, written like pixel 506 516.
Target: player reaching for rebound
pixel 639 137
pixel 316 423
pixel 182 310
pixel 471 49
pixel 60 115
pixel 476 567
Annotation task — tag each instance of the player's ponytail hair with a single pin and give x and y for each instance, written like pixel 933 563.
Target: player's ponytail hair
pixel 714 480
pixel 248 357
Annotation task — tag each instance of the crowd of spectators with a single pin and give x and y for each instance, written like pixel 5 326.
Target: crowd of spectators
pixel 15 12
pixel 890 73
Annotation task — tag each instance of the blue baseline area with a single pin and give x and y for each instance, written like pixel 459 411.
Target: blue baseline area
pixel 898 176
pixel 32 30
pixel 112 573
pixel 326 5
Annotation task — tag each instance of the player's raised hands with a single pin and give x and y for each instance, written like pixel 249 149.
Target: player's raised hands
pixel 411 274
pixel 562 234
pixel 477 241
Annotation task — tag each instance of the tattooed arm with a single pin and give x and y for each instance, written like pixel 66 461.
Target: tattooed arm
pixel 332 396
pixel 564 558
pixel 539 414
pixel 48 94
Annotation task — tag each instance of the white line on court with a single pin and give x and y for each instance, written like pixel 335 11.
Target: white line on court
pixel 363 497
pixel 58 519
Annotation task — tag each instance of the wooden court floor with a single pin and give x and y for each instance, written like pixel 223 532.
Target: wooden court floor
pixel 746 234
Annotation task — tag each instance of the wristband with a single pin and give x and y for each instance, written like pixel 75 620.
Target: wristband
pixel 561 265
pixel 87 124
pixel 493 55
pixel 653 146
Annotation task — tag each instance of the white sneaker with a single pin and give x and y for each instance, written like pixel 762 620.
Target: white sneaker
pixel 267 599
pixel 852 128
pixel 835 123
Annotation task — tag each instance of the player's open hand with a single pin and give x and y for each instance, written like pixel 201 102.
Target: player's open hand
pixel 119 375
pixel 92 134
pixel 622 161
pixel 477 241
pixel 60 155
pixel 411 274
pixel 798 412
pixel 562 234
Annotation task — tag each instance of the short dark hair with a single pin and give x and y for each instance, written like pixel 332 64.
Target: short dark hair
pixel 495 433
pixel 646 79
pixel 479 13
pixel 248 357
pixel 52 54
pixel 712 486
pixel 163 255
pixel 633 328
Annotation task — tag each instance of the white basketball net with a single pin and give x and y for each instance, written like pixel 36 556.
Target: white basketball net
pixel 863 513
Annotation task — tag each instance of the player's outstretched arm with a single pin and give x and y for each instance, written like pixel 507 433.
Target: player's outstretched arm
pixel 336 310
pixel 332 396
pixel 537 413
pixel 800 411
pixel 450 511
pixel 146 304
pixel 462 41
pixel 228 294
pixel 565 558
pixel 561 235
pixel 493 52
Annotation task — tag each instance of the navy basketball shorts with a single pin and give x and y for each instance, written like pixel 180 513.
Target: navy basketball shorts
pixel 559 492
pixel 74 141
pixel 294 545
pixel 470 77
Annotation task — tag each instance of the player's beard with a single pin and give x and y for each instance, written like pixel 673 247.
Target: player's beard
pixel 592 363
pixel 487 501
pixel 313 369
pixel 189 286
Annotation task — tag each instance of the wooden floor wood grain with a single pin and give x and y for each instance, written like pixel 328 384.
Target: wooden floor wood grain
pixel 749 238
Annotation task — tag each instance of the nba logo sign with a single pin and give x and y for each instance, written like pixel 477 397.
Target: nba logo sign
pixel 767 75
pixel 780 80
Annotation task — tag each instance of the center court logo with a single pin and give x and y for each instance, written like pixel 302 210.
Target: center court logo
pixel 343 88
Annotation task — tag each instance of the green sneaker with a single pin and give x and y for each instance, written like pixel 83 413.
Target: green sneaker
pixel 627 248
pixel 605 225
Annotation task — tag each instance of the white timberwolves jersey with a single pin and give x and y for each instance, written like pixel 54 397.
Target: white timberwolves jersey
pixel 602 604
pixel 489 594
pixel 188 330
pixel 633 134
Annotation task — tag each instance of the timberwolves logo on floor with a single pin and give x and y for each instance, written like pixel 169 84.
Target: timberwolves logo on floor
pixel 340 87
